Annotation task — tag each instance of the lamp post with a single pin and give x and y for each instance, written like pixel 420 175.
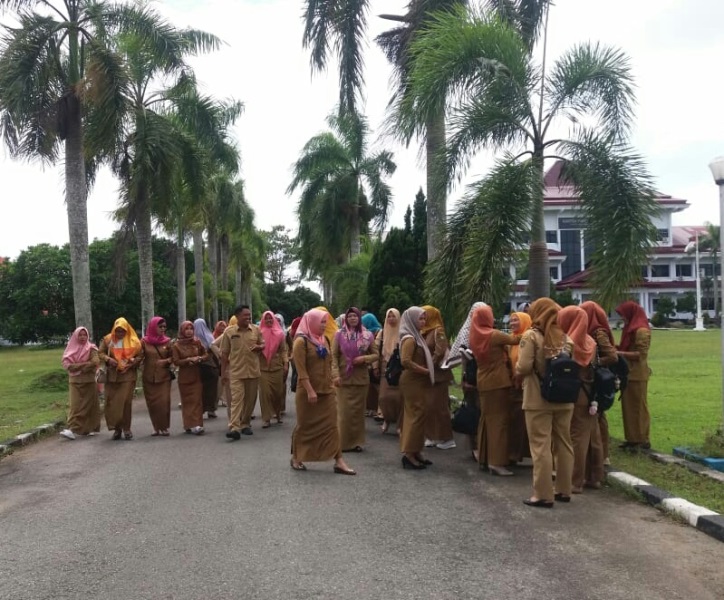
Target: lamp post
pixel 689 247
pixel 717 170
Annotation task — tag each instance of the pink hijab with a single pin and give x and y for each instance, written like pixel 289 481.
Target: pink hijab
pixel 310 323
pixel 75 352
pixel 273 336
pixel 153 336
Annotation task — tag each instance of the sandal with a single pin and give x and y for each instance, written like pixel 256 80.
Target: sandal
pixel 384 427
pixel 297 467
pixel 128 435
pixel 165 433
pixel 117 434
pixel 266 425
pixel 155 434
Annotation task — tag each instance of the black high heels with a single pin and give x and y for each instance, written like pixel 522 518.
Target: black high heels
pixel 424 461
pixel 408 464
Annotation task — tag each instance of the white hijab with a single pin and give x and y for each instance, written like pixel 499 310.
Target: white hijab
pixel 409 329
pixel 462 339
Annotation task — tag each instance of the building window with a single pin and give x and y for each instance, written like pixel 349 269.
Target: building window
pixel 684 271
pixel 571 247
pixel 709 270
pixel 660 271
pixel 662 235
pixel 552 237
pixel 644 272
pixel 554 273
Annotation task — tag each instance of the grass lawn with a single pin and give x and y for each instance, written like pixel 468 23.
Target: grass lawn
pixel 33 389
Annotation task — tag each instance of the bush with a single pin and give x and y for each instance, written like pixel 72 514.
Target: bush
pixel 659 320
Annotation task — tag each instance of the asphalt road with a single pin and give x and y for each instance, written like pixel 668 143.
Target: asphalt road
pixel 191 517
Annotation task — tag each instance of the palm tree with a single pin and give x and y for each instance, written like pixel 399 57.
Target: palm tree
pixel 711 242
pixel 482 72
pixel 57 72
pixel 343 190
pixel 152 145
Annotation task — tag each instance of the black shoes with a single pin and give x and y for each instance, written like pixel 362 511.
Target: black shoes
pixel 233 435
pixel 562 498
pixel 247 431
pixel 408 464
pixel 538 503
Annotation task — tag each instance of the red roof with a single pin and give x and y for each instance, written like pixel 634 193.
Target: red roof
pixel 580 280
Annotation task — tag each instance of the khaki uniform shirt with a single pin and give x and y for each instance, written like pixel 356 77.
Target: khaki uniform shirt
pixel 235 347
pixel 639 369
pixel 153 372
pixel 88 374
pixel 310 366
pixel 360 373
pixel 494 371
pixel 279 359
pixel 438 345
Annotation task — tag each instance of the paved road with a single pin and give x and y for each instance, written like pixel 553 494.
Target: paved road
pixel 191 517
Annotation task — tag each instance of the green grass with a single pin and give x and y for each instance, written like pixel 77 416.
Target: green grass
pixel 33 389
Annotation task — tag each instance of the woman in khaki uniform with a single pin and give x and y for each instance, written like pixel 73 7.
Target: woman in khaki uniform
pixel 548 423
pixel 634 347
pixel 585 434
pixel 353 351
pixel 438 423
pixel 316 435
pixel 600 330
pixel 121 352
pixel 390 400
pixel 157 375
pixel 273 366
pixel 495 387
pixel 416 381
pixel 518 446
pixel 80 359
pixel 188 354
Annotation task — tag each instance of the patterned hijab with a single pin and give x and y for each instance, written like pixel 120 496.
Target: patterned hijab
pixel 574 321
pixel 408 329
pixel 544 313
pixel 635 318
pixel 273 336
pixel 75 352
pixel 462 338
pixel 525 324
pixel 597 319
pixel 353 341
pixel 481 332
pixel 130 347
pixel 390 334
pixel 182 337
pixel 153 336
pixel 203 333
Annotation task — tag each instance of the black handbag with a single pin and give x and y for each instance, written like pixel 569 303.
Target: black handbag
pixel 465 419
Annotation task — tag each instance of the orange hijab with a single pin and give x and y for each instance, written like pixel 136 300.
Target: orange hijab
pixel 130 347
pixel 544 314
pixel 574 321
pixel 481 332
pixel 525 324
pixel 434 320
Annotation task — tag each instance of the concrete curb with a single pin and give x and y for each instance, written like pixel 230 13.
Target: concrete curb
pixel 23 439
pixel 703 519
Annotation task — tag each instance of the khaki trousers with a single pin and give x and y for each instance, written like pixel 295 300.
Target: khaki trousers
pixel 550 428
pixel 243 401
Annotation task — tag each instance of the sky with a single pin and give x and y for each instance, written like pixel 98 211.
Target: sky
pixel 676 49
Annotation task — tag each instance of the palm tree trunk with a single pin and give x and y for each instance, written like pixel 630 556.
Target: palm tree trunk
pixel 224 268
pixel 213 267
pixel 145 261
pixel 539 276
pixel 246 292
pixel 238 285
pixel 76 195
pixel 199 272
pixel 354 244
pixel 181 276
pixel 436 186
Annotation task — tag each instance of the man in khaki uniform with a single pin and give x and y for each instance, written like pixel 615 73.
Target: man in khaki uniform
pixel 240 348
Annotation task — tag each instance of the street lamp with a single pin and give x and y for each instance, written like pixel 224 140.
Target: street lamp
pixel 689 247
pixel 717 170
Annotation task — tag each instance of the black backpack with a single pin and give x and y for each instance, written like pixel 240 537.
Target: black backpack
pixel 604 387
pixel 394 367
pixel 561 383
pixel 620 370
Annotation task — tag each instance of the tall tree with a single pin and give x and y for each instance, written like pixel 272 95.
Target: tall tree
pixel 497 97
pixel 343 190
pixel 710 242
pixel 57 72
pixel 281 253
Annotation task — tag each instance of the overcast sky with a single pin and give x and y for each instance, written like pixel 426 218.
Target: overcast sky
pixel 676 49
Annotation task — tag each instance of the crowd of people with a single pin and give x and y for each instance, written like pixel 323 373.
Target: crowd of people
pixel 338 369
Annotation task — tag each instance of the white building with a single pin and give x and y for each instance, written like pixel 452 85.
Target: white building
pixel 670 272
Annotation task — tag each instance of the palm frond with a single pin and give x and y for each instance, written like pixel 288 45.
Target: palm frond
pixel 483 237
pixel 618 201
pixel 591 79
pixel 526 16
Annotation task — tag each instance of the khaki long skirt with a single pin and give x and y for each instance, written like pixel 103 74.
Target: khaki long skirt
pixel 158 401
pixel 315 436
pixel 635 408
pixel 586 440
pixel 518 447
pixel 390 401
pixel 415 391
pixel 351 402
pixel 210 387
pixel 192 407
pixel 272 391
pixel 373 397
pixel 119 402
pixel 493 427
pixel 84 412
pixel 438 423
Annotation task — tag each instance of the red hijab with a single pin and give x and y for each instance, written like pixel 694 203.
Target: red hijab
pixel 153 336
pixel 635 319
pixel 182 337
pixel 597 319
pixel 294 326
pixel 273 336
pixel 219 329
pixel 574 321
pixel 481 332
